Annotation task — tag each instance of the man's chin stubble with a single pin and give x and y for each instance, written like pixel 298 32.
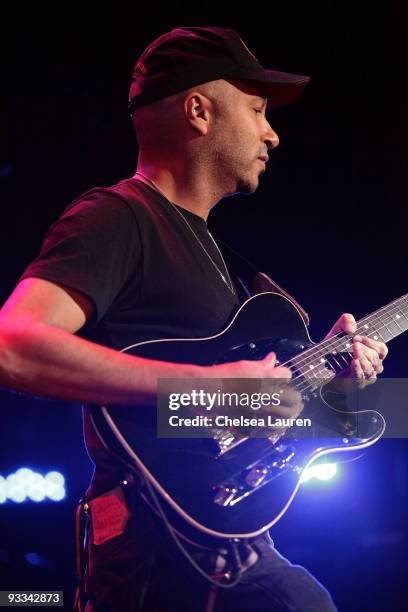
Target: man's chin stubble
pixel 246 187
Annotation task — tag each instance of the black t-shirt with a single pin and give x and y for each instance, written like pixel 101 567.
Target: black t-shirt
pixel 139 262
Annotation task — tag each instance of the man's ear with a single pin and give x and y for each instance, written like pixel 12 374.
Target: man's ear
pixel 198 112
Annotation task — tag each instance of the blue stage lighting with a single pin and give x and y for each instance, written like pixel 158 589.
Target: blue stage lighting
pixel 26 485
pixel 319 471
pixel 37 560
pixel 32 558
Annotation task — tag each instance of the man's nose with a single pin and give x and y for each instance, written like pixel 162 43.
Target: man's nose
pixel 271 138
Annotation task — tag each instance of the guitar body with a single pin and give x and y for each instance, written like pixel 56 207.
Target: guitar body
pixel 241 491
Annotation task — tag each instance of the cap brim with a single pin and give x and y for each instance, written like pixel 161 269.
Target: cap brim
pixel 283 88
pixel 280 88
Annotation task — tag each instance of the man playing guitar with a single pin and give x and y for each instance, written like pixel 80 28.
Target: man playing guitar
pixel 136 262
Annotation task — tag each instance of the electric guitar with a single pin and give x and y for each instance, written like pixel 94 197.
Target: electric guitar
pixel 235 487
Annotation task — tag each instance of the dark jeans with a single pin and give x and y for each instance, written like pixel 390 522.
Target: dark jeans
pixel 142 570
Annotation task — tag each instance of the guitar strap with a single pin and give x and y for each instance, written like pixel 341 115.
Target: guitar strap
pixel 250 281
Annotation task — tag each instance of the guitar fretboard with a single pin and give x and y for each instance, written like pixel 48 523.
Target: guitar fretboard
pixel 332 356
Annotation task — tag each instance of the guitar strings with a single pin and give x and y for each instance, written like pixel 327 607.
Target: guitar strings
pixel 327 366
pixel 338 338
pixel 336 341
pixel 321 350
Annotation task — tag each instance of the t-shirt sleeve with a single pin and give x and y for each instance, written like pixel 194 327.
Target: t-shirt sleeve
pixel 93 248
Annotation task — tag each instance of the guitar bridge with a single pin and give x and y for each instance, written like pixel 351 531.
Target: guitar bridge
pixel 255 476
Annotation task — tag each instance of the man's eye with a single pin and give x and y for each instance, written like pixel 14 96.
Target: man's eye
pixel 257 110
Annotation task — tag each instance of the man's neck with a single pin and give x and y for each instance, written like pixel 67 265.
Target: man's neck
pixel 186 189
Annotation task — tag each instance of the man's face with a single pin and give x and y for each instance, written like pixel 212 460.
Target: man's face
pixel 242 137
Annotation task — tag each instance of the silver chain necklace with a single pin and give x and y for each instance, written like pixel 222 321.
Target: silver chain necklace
pixel 227 278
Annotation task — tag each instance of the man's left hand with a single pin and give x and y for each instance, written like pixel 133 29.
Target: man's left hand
pixel 368 354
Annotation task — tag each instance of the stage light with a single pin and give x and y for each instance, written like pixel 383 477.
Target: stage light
pixel 37 560
pixel 54 486
pixel 3 496
pixel 26 485
pixel 319 471
pixel 32 558
pixel 35 488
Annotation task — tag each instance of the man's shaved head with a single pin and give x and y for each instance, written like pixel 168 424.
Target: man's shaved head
pixel 218 129
pixel 163 124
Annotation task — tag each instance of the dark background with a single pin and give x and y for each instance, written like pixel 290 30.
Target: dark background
pixel 328 222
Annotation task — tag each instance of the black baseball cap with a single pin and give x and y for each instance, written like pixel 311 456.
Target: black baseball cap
pixel 185 57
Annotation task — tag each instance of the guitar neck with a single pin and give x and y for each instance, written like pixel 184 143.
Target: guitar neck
pixel 334 354
pixel 387 322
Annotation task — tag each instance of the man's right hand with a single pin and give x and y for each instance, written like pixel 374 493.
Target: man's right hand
pixel 274 379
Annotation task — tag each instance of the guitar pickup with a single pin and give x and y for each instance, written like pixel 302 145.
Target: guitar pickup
pixel 252 478
pixel 255 476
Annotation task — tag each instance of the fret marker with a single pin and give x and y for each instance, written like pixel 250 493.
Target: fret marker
pixel 366 326
pixel 322 360
pixel 397 316
pixel 334 352
pixel 311 366
pixel 375 337
pixel 348 345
